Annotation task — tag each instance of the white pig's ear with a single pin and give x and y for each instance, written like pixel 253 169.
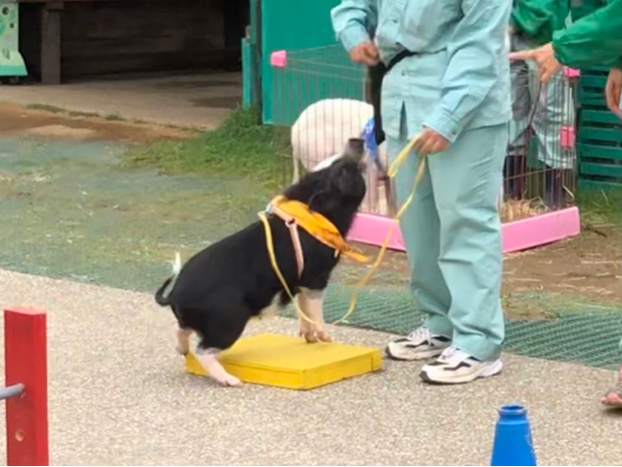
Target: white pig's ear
pixel 326 163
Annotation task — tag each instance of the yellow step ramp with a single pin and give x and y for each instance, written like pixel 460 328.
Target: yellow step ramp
pixel 290 362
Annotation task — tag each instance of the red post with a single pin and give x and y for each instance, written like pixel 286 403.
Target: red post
pixel 25 357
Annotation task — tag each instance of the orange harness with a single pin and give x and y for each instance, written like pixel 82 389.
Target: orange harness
pixel 296 214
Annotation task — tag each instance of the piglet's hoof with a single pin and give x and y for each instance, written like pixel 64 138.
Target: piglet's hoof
pixel 323 336
pixel 181 351
pixel 230 381
pixel 309 336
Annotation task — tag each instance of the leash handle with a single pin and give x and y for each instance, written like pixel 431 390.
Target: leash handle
pixel 401 157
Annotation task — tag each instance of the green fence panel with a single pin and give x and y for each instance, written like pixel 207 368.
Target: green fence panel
pixel 607 136
pixel 291 26
pixel 593 151
pixel 602 170
pixel 599 116
pixel 312 75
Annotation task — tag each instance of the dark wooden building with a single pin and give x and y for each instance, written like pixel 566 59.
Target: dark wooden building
pixel 77 39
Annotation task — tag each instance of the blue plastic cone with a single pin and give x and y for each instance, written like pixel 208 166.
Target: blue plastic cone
pixel 513 444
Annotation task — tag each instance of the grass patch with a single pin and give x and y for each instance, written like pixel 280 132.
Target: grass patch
pixel 45 108
pixel 240 147
pixel 114 117
pixel 600 207
pixel 72 113
pixel 78 114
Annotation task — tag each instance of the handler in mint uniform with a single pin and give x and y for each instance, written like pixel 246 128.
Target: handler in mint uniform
pixel 451 87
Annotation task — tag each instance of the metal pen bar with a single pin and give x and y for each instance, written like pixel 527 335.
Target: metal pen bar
pixel 11 391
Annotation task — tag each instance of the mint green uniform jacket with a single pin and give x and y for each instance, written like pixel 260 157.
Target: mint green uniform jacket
pixel 459 80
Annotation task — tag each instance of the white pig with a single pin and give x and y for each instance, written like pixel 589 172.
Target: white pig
pixel 321 131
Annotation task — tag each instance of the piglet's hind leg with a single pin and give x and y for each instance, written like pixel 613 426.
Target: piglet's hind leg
pixel 208 358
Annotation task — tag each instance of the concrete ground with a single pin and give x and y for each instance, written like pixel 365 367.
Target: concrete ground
pixel 194 100
pixel 119 395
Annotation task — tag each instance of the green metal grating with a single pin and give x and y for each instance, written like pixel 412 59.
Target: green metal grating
pixel 577 331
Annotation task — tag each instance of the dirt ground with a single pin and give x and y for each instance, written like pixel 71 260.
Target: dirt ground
pixel 587 266
pixel 75 126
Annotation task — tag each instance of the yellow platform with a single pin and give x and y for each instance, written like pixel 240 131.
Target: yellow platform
pixel 289 362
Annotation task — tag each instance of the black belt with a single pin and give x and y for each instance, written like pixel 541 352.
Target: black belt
pixel 376 74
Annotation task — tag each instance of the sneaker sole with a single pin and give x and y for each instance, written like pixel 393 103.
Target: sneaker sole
pixel 494 369
pixel 420 356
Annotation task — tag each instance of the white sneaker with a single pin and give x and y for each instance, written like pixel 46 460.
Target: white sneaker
pixel 455 367
pixel 421 344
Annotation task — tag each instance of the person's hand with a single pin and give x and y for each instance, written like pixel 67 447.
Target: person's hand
pixel 545 58
pixel 612 91
pixel 365 54
pixel 430 142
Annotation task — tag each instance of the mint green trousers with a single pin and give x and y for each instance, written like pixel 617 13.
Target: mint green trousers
pixel 452 233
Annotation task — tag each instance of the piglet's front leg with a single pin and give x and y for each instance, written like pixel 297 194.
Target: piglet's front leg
pixel 311 304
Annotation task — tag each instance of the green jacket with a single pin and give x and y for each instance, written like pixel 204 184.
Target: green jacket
pixel 539 19
pixel 593 39
pixel 595 36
